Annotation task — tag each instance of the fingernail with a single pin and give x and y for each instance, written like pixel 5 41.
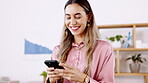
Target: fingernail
pixel 50 68
pixel 60 63
pixel 56 70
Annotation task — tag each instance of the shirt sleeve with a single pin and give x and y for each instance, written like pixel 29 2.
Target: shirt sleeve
pixel 105 66
pixel 54 53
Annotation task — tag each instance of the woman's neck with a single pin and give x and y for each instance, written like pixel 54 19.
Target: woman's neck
pixel 78 39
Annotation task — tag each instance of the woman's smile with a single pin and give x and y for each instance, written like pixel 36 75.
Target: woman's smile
pixel 74 28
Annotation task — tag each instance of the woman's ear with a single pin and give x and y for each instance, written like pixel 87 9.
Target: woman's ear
pixel 89 17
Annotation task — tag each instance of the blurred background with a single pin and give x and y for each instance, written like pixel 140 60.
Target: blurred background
pixel 41 21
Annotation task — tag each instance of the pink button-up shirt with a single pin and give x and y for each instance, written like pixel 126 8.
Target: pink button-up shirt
pixel 102 65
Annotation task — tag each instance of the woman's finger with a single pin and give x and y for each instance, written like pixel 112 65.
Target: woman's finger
pixel 50 69
pixel 63 71
pixel 65 65
pixel 52 73
pixel 53 76
pixel 68 76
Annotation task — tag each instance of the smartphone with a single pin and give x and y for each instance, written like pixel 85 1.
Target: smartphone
pixel 53 63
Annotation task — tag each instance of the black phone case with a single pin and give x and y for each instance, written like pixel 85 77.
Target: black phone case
pixel 53 63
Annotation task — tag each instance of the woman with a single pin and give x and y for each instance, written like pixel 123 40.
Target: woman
pixel 86 59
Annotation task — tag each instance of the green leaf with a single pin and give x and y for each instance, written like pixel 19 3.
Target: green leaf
pixel 138 55
pixel 112 39
pixel 122 41
pixel 136 58
pixel 128 58
pixel 44 73
pixel 118 37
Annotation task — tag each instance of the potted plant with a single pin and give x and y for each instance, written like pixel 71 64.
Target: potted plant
pixel 116 41
pixel 44 74
pixel 136 59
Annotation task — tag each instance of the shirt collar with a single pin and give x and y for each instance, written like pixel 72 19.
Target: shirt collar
pixel 78 46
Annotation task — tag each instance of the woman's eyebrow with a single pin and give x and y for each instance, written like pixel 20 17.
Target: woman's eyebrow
pixel 67 14
pixel 78 14
pixel 74 14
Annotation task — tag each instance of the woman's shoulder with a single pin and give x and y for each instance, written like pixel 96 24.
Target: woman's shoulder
pixel 57 47
pixel 103 42
pixel 55 52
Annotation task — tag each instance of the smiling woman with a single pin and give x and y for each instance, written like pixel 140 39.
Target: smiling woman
pixel 76 20
pixel 85 58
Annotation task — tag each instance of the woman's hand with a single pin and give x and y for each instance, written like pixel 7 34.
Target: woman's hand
pixel 71 73
pixel 52 75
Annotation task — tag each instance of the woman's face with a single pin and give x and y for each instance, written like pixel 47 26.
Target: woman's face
pixel 75 19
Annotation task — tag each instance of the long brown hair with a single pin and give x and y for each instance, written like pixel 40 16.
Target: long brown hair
pixel 89 40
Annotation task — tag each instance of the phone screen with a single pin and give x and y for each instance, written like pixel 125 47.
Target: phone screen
pixel 53 63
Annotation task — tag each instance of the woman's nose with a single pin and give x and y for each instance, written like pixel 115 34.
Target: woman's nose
pixel 73 22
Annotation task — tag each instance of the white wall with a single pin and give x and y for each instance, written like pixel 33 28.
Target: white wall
pixel 44 18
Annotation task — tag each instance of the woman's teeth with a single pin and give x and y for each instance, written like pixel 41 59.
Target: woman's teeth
pixel 74 27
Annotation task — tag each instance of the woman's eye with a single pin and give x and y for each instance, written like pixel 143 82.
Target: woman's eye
pixel 68 17
pixel 78 17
